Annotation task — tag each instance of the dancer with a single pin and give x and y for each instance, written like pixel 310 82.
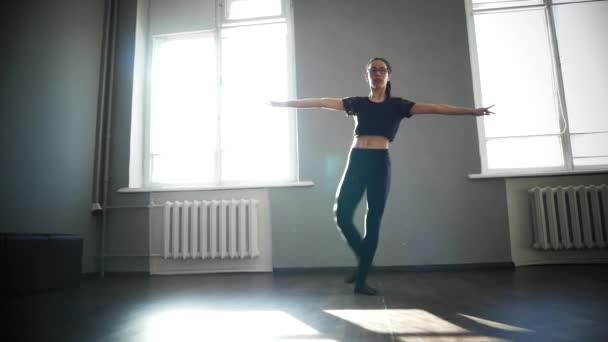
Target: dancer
pixel 378 116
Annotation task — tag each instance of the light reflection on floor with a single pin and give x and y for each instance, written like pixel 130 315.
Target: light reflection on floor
pixel 194 324
pixel 414 325
pixel 398 321
pixel 496 325
pixel 202 325
pixel 450 339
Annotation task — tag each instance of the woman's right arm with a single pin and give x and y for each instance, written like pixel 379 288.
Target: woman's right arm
pixel 326 103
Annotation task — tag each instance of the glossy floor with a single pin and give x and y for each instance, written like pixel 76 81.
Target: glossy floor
pixel 541 303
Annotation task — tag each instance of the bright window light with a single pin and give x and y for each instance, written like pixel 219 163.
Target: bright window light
pixel 542 63
pixel 525 152
pixel 255 137
pixel 202 325
pixel 589 145
pixel 591 161
pixel 590 149
pixel 247 9
pixel 582 27
pixel 183 113
pixel 513 47
pixel 209 122
pixel 581 35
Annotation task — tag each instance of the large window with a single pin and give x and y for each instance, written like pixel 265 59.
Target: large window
pixel 208 119
pixel 544 64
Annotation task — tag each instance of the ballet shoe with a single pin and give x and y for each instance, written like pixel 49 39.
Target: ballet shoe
pixel 365 290
pixel 351 278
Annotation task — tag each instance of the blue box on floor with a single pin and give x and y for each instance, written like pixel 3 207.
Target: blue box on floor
pixel 40 262
pixel 66 255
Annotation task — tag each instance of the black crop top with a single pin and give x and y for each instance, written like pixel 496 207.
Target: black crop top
pixel 377 118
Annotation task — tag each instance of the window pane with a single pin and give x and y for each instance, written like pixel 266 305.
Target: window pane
pixel 184 167
pixel 583 46
pixel 596 161
pixel 183 110
pixel 531 152
pixel 245 9
pixel 254 165
pixel 256 141
pixel 516 73
pixel 589 145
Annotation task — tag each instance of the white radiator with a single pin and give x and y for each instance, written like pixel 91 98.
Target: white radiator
pixel 569 217
pixel 211 229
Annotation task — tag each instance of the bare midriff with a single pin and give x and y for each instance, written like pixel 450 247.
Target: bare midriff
pixel 371 142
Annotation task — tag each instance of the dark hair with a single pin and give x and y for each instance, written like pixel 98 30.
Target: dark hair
pixel 387 91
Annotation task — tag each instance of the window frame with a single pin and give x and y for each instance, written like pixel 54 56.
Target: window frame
pixel 564 136
pixel 221 23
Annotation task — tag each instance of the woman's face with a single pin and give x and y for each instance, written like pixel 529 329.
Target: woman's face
pixel 377 74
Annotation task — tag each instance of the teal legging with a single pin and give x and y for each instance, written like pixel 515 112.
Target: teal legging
pixel 368 170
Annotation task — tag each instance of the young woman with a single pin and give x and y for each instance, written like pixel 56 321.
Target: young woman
pixel 377 118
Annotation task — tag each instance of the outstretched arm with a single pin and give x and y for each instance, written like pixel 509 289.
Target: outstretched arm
pixel 326 103
pixel 431 108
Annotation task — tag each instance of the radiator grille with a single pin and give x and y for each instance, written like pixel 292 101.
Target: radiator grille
pixel 218 229
pixel 569 217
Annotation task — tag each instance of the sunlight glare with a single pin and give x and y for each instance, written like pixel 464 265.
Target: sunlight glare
pixel 450 338
pixel 496 325
pixel 182 139
pixel 248 155
pixel 400 321
pixel 202 325
pixel 242 9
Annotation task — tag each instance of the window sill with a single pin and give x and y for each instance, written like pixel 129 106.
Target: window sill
pixel 522 174
pixel 220 187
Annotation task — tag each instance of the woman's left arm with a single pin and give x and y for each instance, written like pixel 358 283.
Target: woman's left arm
pixel 431 108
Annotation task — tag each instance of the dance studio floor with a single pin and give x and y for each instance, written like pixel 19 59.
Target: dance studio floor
pixel 540 303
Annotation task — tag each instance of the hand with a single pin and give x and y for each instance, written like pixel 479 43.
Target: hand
pixel 275 103
pixel 483 111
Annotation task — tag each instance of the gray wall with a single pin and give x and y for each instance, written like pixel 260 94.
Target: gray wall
pixel 49 74
pixel 435 215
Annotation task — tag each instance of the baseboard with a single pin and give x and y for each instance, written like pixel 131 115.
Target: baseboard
pixel 116 275
pixel 450 267
pixel 161 266
pixel 560 262
pixel 126 264
pixel 295 270
pixel 401 268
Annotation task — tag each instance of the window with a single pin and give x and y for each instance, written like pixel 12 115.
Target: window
pixel 246 9
pixel 208 122
pixel 544 64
